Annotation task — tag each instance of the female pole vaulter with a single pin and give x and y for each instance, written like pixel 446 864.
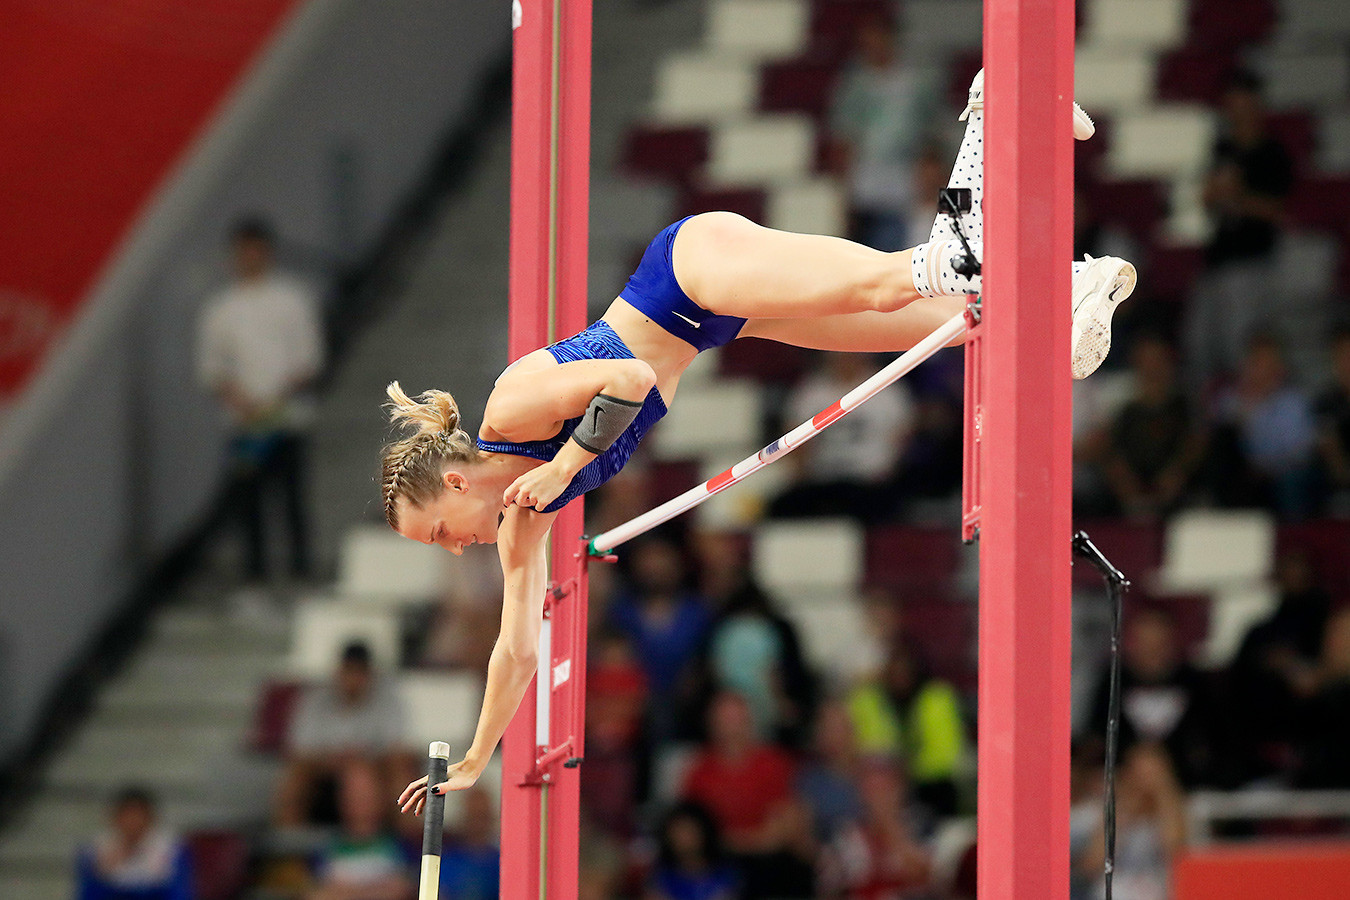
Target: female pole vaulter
pixel 564 419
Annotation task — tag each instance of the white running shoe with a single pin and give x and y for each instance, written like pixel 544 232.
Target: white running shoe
pixel 1082 123
pixel 1097 290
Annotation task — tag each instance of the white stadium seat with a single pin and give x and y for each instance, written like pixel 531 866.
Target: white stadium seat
pixel 378 564
pixel 759 29
pixel 831 633
pixel 1212 550
pixel 812 556
pixel 441 706
pixel 936 28
pixel 814 206
pixel 720 417
pixel 323 627
pixel 1108 80
pixel 1166 142
pixel 697 88
pixel 1139 25
pixel 761 151
pixel 1232 613
pixel 1333 143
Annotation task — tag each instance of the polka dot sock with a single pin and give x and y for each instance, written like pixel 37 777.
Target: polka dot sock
pixel 931 266
pixel 967 173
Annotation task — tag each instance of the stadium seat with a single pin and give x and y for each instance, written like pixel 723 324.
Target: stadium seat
pixel 720 417
pixel 1318 79
pixel 323 626
pixel 935 29
pixel 1213 550
pixel 1325 541
pixel 1136 549
pixel 907 558
pixel 441 706
pixel 379 565
pixel 272 720
pixel 812 556
pixel 1232 613
pixel 1139 26
pixel 697 88
pixel 759 29
pixel 761 150
pixel 1194 75
pixel 1138 205
pixel 748 202
pixel 220 864
pixel 810 206
pixel 831 631
pixel 744 504
pixel 764 361
pixel 1108 80
pixel 1333 142
pixel 1312 23
pixel 666 152
pixel 834 22
pixel 1162 142
pixel 797 85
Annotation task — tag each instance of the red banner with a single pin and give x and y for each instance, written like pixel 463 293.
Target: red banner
pixel 99 102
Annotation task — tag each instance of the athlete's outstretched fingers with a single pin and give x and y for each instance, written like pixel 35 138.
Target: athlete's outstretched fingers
pixel 414 796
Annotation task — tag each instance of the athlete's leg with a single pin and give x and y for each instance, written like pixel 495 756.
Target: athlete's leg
pixel 731 266
pixel 862 332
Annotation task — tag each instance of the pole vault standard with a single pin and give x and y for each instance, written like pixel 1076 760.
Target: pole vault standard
pixel 899 367
pixel 1023 490
pixel 550 171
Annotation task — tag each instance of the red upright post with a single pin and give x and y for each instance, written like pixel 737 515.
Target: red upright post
pixel 550 185
pixel 1025 520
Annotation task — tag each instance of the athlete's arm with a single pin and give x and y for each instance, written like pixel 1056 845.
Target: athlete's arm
pixel 530 402
pixel 523 550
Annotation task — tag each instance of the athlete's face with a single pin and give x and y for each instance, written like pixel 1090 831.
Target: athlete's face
pixel 461 515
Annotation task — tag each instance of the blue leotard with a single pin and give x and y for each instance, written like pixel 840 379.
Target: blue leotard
pixel 654 290
pixel 597 342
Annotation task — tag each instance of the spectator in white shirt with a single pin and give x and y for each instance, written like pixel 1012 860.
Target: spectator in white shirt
pixel 843 471
pixel 260 350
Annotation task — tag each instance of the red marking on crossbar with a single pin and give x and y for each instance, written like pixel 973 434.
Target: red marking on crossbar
pixel 717 483
pixel 827 415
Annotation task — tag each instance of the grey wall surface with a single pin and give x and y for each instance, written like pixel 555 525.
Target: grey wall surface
pixel 114 452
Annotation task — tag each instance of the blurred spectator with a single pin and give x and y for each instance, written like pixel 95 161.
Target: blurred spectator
pixel 1150 829
pixel 755 651
pixel 690 864
pixel 842 471
pixel 1155 445
pixel 1085 809
pixel 135 858
pixel 363 861
pixel 1333 426
pixel 928 176
pixel 667 623
pixel 1275 671
pixel 1093 237
pixel 1250 176
pixel 878 856
pixel 1162 697
pixel 748 787
pixel 616 693
pixel 1326 742
pixel 356 717
pixel 260 350
pixel 829 783
pixel 880 115
pixel 471 860
pixel 1263 445
pixel 910 714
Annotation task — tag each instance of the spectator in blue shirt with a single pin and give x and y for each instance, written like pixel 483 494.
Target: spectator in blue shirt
pixel 135 858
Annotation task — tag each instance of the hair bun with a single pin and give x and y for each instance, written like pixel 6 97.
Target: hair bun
pixel 432 412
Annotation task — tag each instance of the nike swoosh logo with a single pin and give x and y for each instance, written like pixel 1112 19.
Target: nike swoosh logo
pixel 595 420
pixel 686 318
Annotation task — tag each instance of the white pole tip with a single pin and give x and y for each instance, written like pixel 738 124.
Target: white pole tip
pixel 439 749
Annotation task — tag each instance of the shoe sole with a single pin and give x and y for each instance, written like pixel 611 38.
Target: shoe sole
pixel 1092 319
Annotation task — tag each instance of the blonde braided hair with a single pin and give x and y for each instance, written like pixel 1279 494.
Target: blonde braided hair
pixel 413 466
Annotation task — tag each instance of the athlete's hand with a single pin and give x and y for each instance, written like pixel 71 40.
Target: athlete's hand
pixel 538 487
pixel 459 776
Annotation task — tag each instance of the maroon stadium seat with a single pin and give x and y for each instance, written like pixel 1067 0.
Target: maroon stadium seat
pixel 912 559
pixel 659 152
pixel 220 864
pixel 272 719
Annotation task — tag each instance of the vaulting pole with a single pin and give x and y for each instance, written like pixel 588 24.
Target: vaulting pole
pixel 1025 490
pixel 550 169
